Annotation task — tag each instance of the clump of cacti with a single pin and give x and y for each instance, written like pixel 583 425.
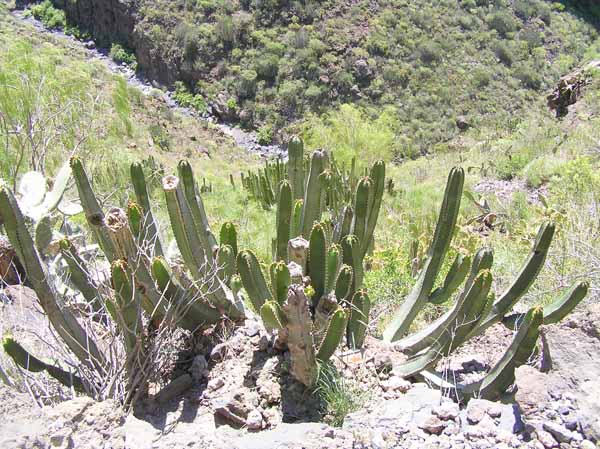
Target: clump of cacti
pixel 475 308
pixel 314 296
pixel 143 286
pixel 263 184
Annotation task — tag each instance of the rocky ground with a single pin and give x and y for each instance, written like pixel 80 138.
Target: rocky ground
pixel 242 397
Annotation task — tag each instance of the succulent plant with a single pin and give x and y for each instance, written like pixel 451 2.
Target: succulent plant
pixel 143 285
pixel 475 309
pixel 313 295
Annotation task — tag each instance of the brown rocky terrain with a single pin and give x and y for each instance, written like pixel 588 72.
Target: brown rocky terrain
pixel 241 396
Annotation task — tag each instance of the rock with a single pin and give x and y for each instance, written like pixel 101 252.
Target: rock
pixel 495 411
pixel 199 368
pixel 215 384
pixel 311 435
pixel 571 423
pixel 511 419
pixel 432 424
pixel 395 383
pixel 252 328
pixel 362 69
pixel 396 414
pixel 562 434
pixel 476 410
pixel 546 439
pixel 447 411
pixel 254 420
pixel 218 353
pixel 383 362
pixel 587 444
pixel 462 123
pixel 11 272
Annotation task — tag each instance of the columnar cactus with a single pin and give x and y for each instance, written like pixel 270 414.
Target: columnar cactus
pixel 474 309
pixel 311 331
pixel 142 284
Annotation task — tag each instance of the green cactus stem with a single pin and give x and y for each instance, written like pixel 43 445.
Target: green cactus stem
pixel 359 319
pixel 79 275
pixel 333 335
pixel 444 230
pixel 228 236
pixel 197 208
pixel 150 229
pixel 311 212
pixel 558 309
pixel 283 220
pixel 317 261
pixel 93 212
pixel 502 375
pixel 272 315
pixel 455 277
pixel 280 281
pixel 253 279
pixel 67 326
pixel 523 280
pixel 296 166
pixel 31 363
pixel 192 310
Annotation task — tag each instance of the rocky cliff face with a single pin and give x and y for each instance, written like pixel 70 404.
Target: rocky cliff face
pixel 110 21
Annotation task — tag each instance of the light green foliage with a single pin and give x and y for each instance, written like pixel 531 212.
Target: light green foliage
pixel 187 99
pixel 49 15
pixel 350 133
pixel 122 56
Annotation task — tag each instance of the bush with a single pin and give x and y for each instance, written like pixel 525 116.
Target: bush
pixel 505 54
pixel 532 37
pixel 541 170
pixel 481 78
pixel 188 100
pixel 50 16
pixel 503 22
pixel 265 135
pixel 160 137
pixel 511 165
pixel 247 84
pixel 529 77
pixel 122 56
pixel 430 52
pixel 267 67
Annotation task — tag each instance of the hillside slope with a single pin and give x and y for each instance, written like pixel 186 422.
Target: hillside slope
pixel 426 63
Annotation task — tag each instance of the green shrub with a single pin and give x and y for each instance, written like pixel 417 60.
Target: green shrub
pixel 481 78
pixel 265 135
pixel 541 170
pixel 503 22
pixel 511 165
pixel 160 137
pixel 267 67
pixel 187 99
pixel 430 52
pixel 247 84
pixel 505 54
pixel 529 76
pixel 49 15
pixel 122 56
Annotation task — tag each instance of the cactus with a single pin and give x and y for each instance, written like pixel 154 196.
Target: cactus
pixel 65 323
pixel 474 309
pixel 310 319
pixel 142 283
pixel 31 363
pixel 420 294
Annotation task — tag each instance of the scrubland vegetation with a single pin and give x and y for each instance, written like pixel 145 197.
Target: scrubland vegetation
pixel 361 80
